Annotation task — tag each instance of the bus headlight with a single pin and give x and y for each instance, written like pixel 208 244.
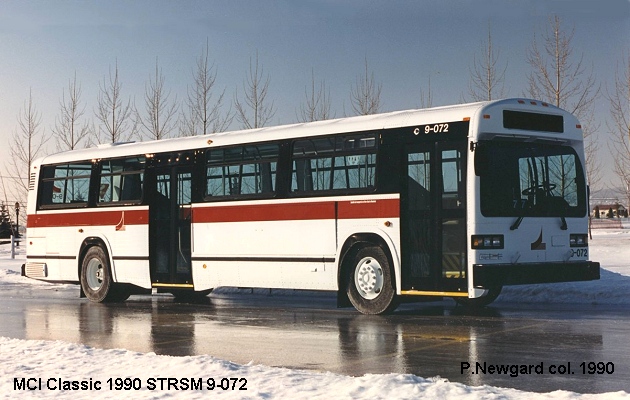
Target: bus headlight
pixel 486 242
pixel 578 240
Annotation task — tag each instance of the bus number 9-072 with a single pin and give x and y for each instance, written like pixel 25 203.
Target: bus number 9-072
pixel 579 253
pixel 435 128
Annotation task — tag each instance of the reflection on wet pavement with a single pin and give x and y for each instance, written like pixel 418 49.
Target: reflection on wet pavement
pixel 307 331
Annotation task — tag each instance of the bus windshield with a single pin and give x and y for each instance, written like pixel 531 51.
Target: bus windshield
pixel 530 180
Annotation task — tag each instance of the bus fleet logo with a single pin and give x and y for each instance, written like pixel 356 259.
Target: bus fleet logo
pixel 120 226
pixel 538 244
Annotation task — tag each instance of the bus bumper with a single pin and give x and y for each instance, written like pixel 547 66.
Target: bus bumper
pixel 492 275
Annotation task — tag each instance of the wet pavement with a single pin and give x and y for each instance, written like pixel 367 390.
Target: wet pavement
pixel 537 349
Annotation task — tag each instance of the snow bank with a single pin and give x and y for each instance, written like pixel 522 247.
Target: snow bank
pixel 54 365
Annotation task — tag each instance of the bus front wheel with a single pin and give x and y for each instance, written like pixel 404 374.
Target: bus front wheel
pixel 96 278
pixel 370 283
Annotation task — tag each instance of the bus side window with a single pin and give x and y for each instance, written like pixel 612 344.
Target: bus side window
pixel 419 180
pixel 65 185
pixel 247 171
pixel 334 163
pixel 47 187
pixel 132 187
pixel 302 177
pixel 105 190
pixel 121 180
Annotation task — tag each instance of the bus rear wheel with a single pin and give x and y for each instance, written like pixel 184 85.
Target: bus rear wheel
pixel 96 278
pixel 370 283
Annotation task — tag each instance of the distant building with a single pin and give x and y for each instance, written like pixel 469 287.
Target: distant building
pixel 609 201
pixel 608 210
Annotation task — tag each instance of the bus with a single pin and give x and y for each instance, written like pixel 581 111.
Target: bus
pixel 454 201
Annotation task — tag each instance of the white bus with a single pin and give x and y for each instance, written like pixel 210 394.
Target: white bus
pixel 453 201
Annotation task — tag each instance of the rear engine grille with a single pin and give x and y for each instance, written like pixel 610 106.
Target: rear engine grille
pixel 36 270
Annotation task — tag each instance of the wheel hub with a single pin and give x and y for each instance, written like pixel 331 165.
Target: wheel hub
pixel 368 278
pixel 94 274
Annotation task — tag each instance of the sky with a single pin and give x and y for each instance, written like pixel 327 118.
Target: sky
pixel 411 47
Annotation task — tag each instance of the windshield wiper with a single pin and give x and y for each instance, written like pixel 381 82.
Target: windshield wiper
pixel 564 226
pixel 517 223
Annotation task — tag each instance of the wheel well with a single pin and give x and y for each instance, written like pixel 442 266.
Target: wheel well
pixel 85 246
pixel 348 250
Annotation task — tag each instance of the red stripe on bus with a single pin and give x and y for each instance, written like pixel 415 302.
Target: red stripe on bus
pixel 387 208
pixel 354 209
pixel 89 218
pixel 265 212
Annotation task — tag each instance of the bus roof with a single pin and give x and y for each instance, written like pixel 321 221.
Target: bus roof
pixel 396 119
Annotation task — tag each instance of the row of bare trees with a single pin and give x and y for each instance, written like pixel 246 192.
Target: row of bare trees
pixel 204 111
pixel 558 76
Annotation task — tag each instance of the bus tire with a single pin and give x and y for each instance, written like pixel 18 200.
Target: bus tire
pixel 480 302
pixel 370 283
pixel 96 278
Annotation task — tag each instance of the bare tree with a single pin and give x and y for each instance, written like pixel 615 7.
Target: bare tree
pixel 117 122
pixel 487 75
pixel 27 144
pixel 591 148
pixel 69 132
pixel 317 107
pixel 366 95
pixel 426 98
pixel 620 126
pixel 159 120
pixel 254 111
pixel 562 79
pixel 557 77
pixel 203 114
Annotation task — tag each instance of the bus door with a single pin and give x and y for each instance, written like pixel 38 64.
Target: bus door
pixel 433 206
pixel 170 226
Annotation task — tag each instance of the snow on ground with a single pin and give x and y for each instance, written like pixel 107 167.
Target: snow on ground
pixel 65 365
